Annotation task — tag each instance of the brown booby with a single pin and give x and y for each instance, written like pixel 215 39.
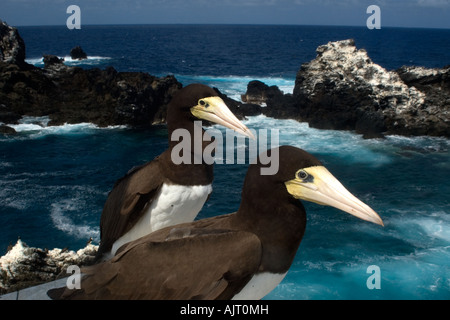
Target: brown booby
pixel 243 255
pixel 161 193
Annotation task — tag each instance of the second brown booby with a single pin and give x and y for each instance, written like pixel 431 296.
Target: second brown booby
pixel 161 193
pixel 243 255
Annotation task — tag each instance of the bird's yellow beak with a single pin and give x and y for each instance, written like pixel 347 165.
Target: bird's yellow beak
pixel 317 184
pixel 215 110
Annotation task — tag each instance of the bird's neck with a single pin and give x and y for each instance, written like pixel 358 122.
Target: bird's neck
pixel 186 152
pixel 188 135
pixel 278 220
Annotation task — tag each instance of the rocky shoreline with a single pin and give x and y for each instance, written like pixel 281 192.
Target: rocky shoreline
pixel 73 95
pixel 341 89
pixel 23 266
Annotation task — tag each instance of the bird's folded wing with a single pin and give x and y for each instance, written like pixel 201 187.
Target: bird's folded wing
pixel 126 202
pixel 201 265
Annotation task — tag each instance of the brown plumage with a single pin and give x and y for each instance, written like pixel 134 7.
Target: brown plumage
pixel 134 193
pixel 215 258
pixel 156 276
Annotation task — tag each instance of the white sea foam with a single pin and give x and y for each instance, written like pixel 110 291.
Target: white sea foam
pixel 28 123
pixel 59 215
pixel 435 228
pixel 38 126
pixel 344 144
pixel 10 196
pixel 11 200
pixel 36 130
pixel 91 60
pixel 420 228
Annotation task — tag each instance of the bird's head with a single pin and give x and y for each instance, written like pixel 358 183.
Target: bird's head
pixel 200 102
pixel 304 177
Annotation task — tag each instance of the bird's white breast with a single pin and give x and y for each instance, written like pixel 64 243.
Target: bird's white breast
pixel 259 286
pixel 173 205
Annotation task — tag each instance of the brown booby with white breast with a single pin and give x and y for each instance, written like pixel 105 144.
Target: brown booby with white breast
pixel 243 255
pixel 161 193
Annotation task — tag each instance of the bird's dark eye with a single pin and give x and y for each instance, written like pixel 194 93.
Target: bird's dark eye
pixel 203 103
pixel 302 174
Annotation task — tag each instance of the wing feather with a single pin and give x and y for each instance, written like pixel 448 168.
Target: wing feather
pixel 203 265
pixel 126 202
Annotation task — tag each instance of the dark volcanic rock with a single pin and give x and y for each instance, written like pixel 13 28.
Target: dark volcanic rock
pixel 240 110
pixel 258 92
pixel 249 109
pixel 343 89
pixel 78 54
pixel 277 104
pixel 25 92
pixel 107 97
pixel 52 61
pixel 282 107
pixel 73 95
pixel 12 46
pixel 7 130
pixel 6 116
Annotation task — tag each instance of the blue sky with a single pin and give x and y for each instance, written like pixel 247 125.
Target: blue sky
pixel 394 13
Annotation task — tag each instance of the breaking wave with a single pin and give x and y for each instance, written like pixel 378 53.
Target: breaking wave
pixel 35 127
pixel 60 215
pixel 90 61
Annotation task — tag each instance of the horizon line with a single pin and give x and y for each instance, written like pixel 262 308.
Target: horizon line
pixel 229 24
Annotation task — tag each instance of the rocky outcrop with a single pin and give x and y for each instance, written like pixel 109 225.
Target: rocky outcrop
pixel 73 95
pixel 240 110
pixel 23 266
pixel 435 84
pixel 259 93
pixel 107 97
pixel 276 104
pixel 12 46
pixel 53 62
pixel 77 53
pixel 6 130
pixel 343 89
